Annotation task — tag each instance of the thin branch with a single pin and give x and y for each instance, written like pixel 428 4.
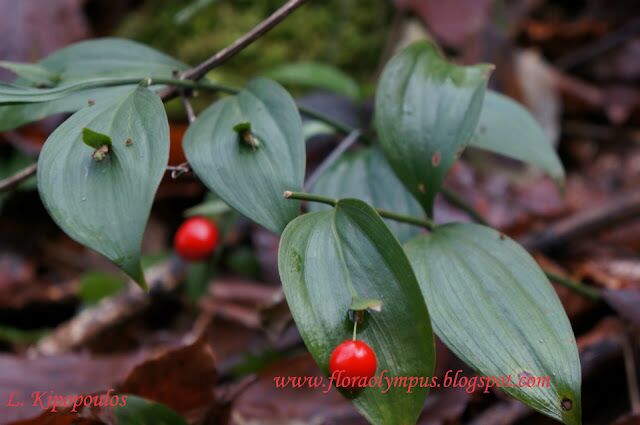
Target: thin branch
pixel 17 178
pixel 600 46
pixel 191 115
pixel 426 223
pixel 244 41
pixel 178 170
pixel 237 46
pixel 574 285
pixel 457 201
pixel 591 220
pixel 629 352
pixel 164 278
pixel 342 147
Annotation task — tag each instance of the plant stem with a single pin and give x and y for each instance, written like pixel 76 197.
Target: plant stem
pixel 455 200
pixel 302 196
pixel 336 153
pixel 574 285
pixel 355 326
pixel 14 180
pixel 629 353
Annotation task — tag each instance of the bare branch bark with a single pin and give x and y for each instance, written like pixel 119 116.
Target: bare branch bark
pixel 237 46
pixel 17 178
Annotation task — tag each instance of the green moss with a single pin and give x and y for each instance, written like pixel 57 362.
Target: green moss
pixel 349 34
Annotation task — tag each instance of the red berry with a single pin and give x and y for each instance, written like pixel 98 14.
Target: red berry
pixel 355 358
pixel 196 239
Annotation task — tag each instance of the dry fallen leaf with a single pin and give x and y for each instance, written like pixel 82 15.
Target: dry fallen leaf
pixel 182 378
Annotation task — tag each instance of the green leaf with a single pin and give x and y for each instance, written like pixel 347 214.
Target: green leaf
pixel 105 58
pixel 110 57
pixel 493 306
pixel 199 275
pixel 22 336
pixel 211 208
pixel 96 286
pixel 365 174
pixel 12 94
pixel 190 10
pixel 426 110
pixel 251 179
pixel 94 139
pixel 31 72
pixel 138 411
pixel 360 304
pixel 328 258
pixel 507 128
pixel 12 116
pixel 317 75
pixel 105 204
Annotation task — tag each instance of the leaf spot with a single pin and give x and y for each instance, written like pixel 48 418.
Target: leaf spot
pixel 435 159
pixel 91 102
pixel 566 404
pixel 128 142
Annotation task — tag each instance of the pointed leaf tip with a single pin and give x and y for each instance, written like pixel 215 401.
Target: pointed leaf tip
pixel 492 305
pixel 413 131
pixel 95 203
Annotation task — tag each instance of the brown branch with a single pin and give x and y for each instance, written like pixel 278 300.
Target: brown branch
pixel 237 46
pixel 600 46
pixel 589 221
pixel 14 180
pixel 629 352
pixel 164 278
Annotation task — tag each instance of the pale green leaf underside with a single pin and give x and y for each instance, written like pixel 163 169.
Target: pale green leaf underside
pixel 251 179
pixel 507 128
pixel 105 204
pixel 37 74
pixel 494 307
pixel 104 58
pixel 327 257
pixel 365 174
pixel 425 111
pixel 317 75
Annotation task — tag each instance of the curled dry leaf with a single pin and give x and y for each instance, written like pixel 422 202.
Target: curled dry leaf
pixel 181 378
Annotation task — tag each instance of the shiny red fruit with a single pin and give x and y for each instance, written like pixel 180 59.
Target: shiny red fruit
pixel 355 358
pixel 196 239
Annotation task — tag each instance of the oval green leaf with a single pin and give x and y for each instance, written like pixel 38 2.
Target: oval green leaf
pixel 316 75
pixel 426 110
pixel 88 60
pixel 495 309
pixel 366 175
pixel 104 204
pixel 328 258
pixel 251 165
pixel 507 128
